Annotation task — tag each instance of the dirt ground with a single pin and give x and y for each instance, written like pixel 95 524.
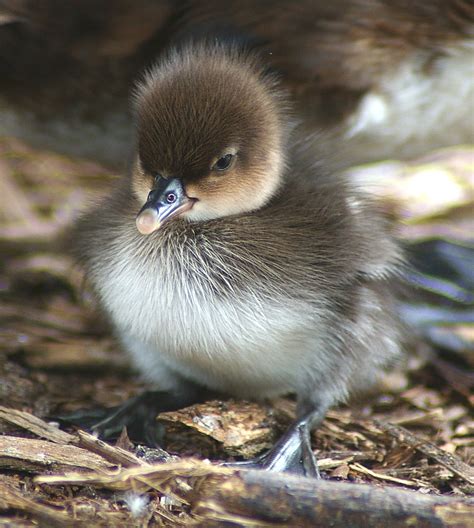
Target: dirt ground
pixel 57 355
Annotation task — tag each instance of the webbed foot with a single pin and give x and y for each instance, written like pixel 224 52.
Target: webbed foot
pixel 138 415
pixel 292 453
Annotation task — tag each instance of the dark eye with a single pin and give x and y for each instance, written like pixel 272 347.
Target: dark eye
pixel 223 163
pixel 171 197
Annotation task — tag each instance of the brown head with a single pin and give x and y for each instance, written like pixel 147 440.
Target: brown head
pixel 211 130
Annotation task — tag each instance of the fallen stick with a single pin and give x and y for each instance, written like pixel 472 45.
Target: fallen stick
pixel 258 498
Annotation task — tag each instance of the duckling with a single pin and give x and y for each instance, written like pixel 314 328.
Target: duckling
pixel 227 261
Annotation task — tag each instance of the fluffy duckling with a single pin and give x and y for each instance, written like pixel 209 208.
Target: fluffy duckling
pixel 224 261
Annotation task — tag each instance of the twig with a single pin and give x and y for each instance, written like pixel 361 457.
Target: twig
pixel 449 461
pixel 116 455
pixel 361 469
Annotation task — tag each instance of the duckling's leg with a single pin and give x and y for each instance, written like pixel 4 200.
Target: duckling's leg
pixel 292 453
pixel 138 414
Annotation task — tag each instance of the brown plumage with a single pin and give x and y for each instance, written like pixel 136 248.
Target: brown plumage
pixel 253 273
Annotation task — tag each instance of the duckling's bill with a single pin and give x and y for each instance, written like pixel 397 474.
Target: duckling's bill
pixel 166 200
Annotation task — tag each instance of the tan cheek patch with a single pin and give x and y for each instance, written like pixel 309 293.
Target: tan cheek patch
pixel 192 190
pixel 207 188
pixel 233 193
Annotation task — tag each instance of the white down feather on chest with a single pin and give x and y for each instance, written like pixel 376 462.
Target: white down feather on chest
pixel 245 344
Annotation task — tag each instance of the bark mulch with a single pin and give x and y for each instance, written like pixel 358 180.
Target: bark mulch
pixel 400 457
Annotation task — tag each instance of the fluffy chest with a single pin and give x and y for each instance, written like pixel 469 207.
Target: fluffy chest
pixel 220 340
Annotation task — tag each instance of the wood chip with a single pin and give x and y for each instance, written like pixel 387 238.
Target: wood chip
pixel 341 471
pixel 33 455
pixel 35 425
pixel 243 428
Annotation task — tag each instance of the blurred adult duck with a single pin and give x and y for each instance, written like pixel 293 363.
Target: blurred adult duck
pixel 370 79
